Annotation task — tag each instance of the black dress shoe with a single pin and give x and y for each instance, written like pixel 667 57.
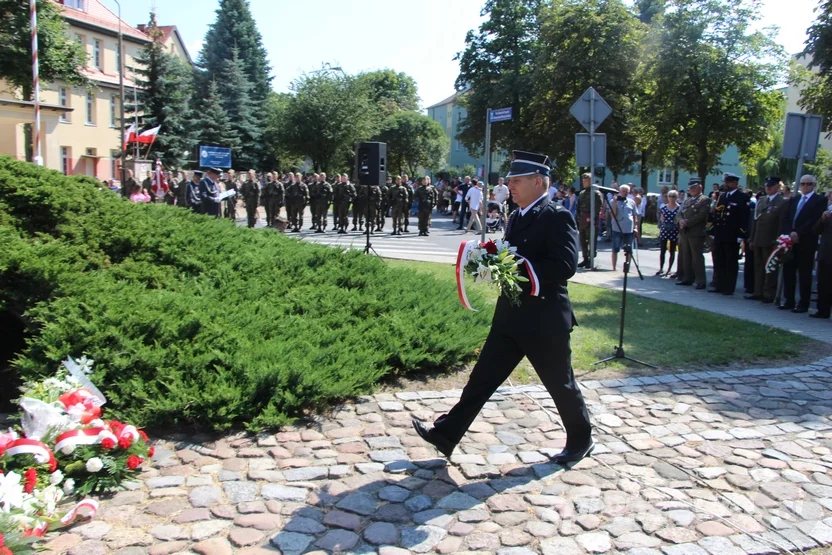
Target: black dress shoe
pixel 700 286
pixel 753 297
pixel 433 437
pixel 727 293
pixel 684 283
pixel 714 291
pixel 786 307
pixel 574 454
pixel 800 310
pixel 818 315
pixel 766 301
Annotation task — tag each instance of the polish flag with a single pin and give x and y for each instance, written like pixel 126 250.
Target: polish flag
pixel 129 136
pixel 160 184
pixel 147 137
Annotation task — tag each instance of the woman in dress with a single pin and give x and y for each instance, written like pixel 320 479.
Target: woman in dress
pixel 669 231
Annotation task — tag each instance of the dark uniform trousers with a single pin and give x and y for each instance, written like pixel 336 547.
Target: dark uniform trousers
pixel 727 261
pixel 538 327
pixel 825 288
pixel 424 218
pixel 251 212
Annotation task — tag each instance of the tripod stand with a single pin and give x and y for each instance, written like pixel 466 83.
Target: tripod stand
pixel 369 246
pixel 619 353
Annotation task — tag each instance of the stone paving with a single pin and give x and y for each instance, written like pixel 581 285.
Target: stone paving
pixel 719 463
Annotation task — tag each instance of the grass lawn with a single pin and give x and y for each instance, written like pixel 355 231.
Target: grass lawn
pixel 650 230
pixel 670 336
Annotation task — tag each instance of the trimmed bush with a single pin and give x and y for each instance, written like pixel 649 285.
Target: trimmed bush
pixel 192 320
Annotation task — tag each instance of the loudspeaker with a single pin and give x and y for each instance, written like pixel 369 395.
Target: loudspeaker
pixel 371 163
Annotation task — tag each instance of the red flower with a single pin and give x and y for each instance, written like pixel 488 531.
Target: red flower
pixel 5 551
pixel 490 247
pixel 125 442
pixel 133 462
pixel 2 540
pixel 30 480
pixel 151 452
pixel 108 443
pixel 143 436
pixel 116 427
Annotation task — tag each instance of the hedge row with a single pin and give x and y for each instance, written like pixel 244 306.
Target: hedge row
pixel 192 320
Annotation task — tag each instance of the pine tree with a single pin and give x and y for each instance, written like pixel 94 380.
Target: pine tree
pixel 164 95
pixel 235 90
pixel 213 126
pixel 235 28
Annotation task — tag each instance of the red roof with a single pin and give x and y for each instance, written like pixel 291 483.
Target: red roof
pixel 98 15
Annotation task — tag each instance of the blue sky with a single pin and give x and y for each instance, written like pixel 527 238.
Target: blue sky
pixel 419 38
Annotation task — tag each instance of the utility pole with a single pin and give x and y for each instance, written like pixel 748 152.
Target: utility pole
pixel 123 175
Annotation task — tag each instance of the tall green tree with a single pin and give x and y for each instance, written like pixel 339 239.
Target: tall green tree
pixel 715 82
pixel 235 28
pixel 647 10
pixel 235 91
pixel 277 153
pixel 326 116
pixel 391 91
pixel 60 57
pixel 594 43
pixel 164 96
pixel 212 124
pixel 495 71
pixel 816 86
pixel 414 141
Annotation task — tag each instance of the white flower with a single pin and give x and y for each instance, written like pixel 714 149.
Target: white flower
pixel 475 254
pixel 56 477
pixel 94 465
pixel 97 423
pixel 68 449
pixel 484 273
pixel 11 492
pixel 69 486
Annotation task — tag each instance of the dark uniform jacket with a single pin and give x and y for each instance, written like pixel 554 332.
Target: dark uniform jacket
pixel 768 218
pixel 730 217
pixel 194 195
pixel 548 237
pixel 209 193
pixel 824 229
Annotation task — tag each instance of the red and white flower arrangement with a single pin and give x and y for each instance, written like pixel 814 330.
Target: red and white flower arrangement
pixel 780 253
pixel 497 263
pixel 63 449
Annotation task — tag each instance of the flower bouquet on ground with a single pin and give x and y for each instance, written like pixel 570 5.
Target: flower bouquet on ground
pixel 781 253
pixel 61 448
pixel 497 263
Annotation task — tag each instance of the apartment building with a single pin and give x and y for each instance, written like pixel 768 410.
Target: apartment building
pixel 80 127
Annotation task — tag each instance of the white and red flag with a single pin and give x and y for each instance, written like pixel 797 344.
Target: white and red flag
pixel 147 137
pixel 129 136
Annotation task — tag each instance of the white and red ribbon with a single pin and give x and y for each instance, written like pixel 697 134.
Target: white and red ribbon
pixel 784 245
pixel 86 436
pixel 25 446
pixel 131 431
pixel 462 260
pixel 89 506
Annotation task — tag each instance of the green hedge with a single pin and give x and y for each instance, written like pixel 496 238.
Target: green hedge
pixel 193 320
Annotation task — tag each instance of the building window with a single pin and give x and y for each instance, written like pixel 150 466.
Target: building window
pixel 113 107
pixel 76 4
pixel 666 176
pixel 114 159
pixel 63 96
pixel 90 108
pixel 96 53
pixel 66 160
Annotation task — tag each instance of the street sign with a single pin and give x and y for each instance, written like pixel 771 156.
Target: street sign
pixel 598 156
pixel 215 156
pixel 590 109
pixel 499 114
pixel 796 126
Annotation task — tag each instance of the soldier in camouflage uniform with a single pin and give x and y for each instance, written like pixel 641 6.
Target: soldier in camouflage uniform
pixel 359 206
pixel 324 200
pixel 375 206
pixel 269 196
pixel 408 205
pixel 297 197
pixel 584 217
pixel 426 196
pixel 230 183
pixel 382 213
pixel 397 198
pixel 250 190
pixel 314 194
pixel 290 206
pixel 279 197
pixel 344 195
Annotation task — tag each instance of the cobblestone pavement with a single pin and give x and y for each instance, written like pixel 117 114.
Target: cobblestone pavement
pixel 719 463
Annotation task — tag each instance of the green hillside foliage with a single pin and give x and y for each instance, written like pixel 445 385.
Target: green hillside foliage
pixel 193 321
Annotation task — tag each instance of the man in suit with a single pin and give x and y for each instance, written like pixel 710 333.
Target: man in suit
pixel 765 229
pixel 209 192
pixel 824 228
pixel 802 214
pixel 538 327
pixel 193 193
pixel 730 223
pixel 692 219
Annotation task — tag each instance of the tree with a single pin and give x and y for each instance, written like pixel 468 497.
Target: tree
pixel 277 154
pixel 326 116
pixel 391 92
pixel 414 141
pixel 648 9
pixel 235 28
pixel 234 89
pixel 714 82
pixel 60 57
pixel 594 43
pixel 495 71
pixel 816 86
pixel 213 124
pixel 164 93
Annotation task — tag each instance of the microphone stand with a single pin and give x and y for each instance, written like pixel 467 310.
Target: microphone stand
pixel 619 353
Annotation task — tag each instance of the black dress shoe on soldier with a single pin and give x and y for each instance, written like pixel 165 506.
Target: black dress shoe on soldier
pixel 753 297
pixel 818 315
pixel 766 301
pixel 714 291
pixel 684 283
pixel 433 437
pixel 800 310
pixel 786 307
pixel 700 286
pixel 574 454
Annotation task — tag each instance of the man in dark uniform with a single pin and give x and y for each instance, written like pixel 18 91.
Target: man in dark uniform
pixel 209 192
pixel 397 197
pixel 824 228
pixel 585 218
pixel 182 191
pixel 251 195
pixel 298 193
pixel 426 196
pixel 314 186
pixel 323 202
pixel 538 327
pixel 408 204
pixel 194 195
pixel 768 215
pixel 730 222
pixel 359 207
pixel 802 214
pixel 231 202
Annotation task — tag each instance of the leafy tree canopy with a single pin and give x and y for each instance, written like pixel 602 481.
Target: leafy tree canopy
pixel 414 141
pixel 391 91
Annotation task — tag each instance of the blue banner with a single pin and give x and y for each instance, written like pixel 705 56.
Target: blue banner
pixel 214 156
pixel 500 114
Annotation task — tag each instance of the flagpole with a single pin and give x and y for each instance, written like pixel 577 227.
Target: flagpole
pixel 33 16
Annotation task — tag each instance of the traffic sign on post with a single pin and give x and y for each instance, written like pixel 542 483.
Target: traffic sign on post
pixel 597 157
pixel 499 114
pixel 795 124
pixel 590 110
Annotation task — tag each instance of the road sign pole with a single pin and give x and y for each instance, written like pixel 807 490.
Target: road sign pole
pixel 591 179
pixel 487 168
pixel 801 156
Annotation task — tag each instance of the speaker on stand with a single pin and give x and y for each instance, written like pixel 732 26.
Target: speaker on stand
pixel 371 170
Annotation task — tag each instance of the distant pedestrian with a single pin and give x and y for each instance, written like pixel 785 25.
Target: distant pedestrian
pixel 625 214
